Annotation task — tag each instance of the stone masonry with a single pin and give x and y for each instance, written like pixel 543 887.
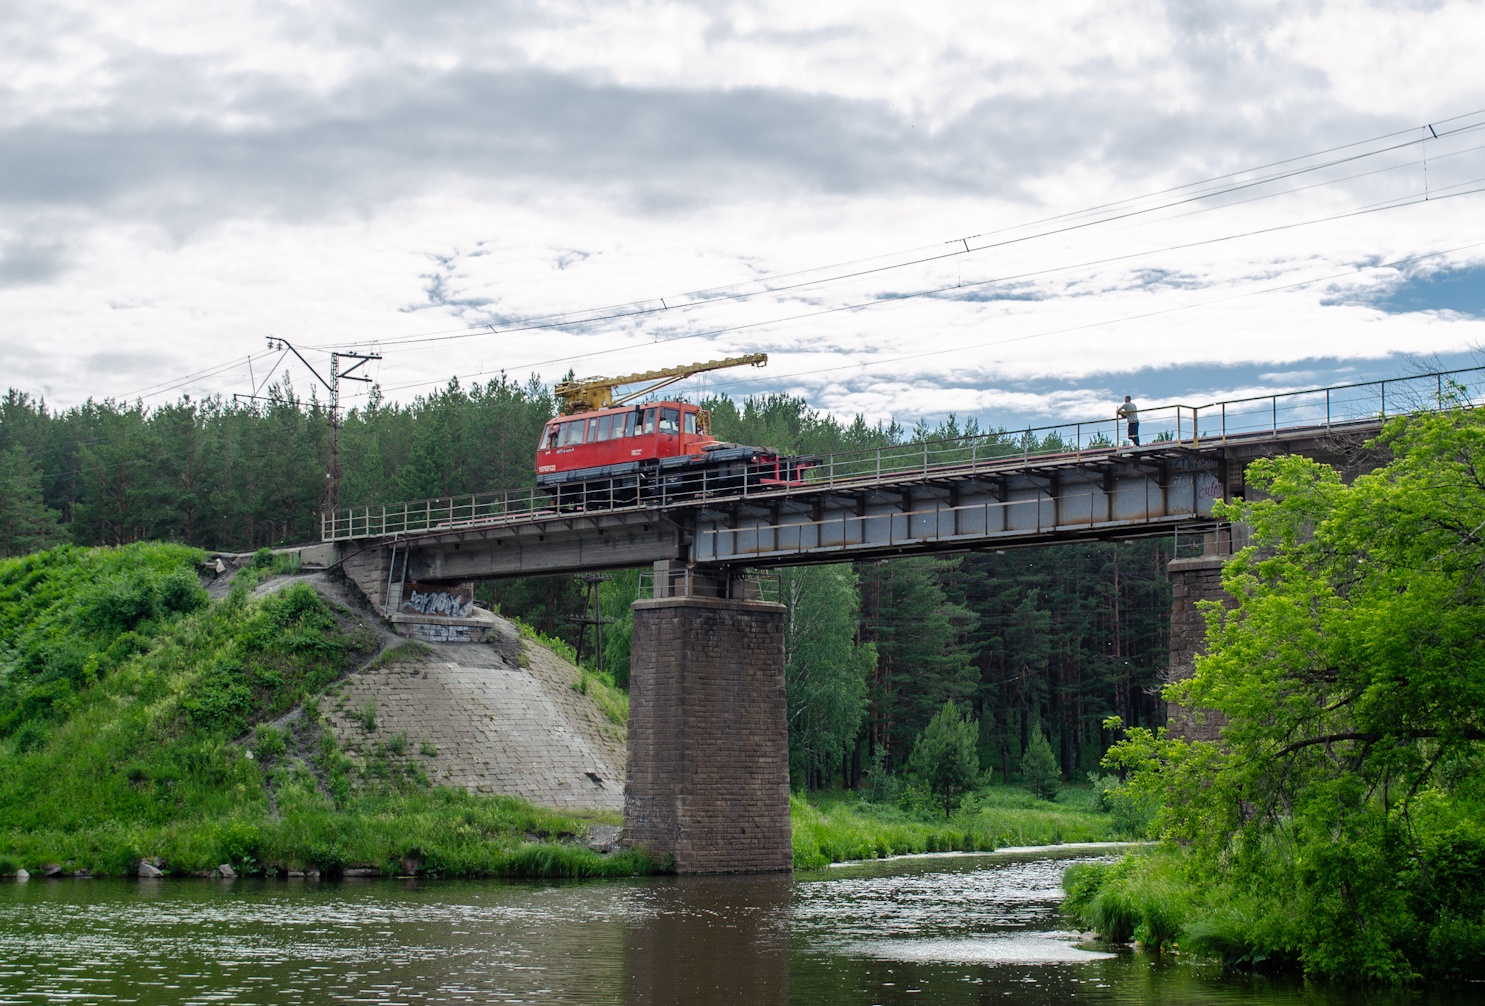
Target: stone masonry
pixel 1192 580
pixel 708 778
pixel 472 716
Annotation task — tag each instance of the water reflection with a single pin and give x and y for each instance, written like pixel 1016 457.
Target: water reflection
pixel 964 931
pixel 709 940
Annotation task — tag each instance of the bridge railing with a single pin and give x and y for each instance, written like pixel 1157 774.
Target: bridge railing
pixel 1340 405
pixel 1330 408
pixel 1334 407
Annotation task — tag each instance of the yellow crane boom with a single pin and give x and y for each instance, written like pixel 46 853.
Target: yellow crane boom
pixel 591 393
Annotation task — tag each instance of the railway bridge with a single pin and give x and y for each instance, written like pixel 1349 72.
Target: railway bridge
pixel 708 773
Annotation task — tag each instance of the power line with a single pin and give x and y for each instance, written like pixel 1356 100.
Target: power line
pixel 748 290
pixel 1213 187
pixel 1393 264
pixel 1200 190
pixel 951 288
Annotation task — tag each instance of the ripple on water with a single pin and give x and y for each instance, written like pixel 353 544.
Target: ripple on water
pixel 1019 948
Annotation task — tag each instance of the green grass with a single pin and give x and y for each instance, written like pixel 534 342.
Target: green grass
pixel 1144 897
pixel 605 693
pixel 450 832
pixel 836 827
pixel 139 722
pixel 599 686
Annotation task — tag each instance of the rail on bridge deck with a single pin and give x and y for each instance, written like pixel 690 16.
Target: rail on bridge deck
pixel 1169 432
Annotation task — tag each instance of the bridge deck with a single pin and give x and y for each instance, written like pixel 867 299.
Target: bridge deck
pixel 998 490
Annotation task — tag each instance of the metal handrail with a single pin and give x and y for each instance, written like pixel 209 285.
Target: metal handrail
pixel 1352 403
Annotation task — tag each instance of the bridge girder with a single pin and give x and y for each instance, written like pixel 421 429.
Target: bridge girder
pixel 1010 503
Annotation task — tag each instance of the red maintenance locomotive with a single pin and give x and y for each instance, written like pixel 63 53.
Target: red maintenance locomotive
pixel 603 451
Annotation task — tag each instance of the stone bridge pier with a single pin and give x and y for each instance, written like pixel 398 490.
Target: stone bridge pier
pixel 708 774
pixel 1194 580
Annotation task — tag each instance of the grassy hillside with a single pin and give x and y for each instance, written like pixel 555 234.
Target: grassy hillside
pixel 136 722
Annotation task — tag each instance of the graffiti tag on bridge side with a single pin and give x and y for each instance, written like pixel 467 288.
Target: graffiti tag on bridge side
pixel 438 600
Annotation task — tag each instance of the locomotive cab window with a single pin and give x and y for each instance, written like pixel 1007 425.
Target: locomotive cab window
pixel 690 420
pixel 670 421
pixel 650 415
pixel 572 433
pixel 630 421
pixel 553 436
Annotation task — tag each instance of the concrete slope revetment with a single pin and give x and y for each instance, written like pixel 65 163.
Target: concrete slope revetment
pixel 494 718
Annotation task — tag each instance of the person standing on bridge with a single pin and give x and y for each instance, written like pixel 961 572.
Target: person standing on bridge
pixel 1130 415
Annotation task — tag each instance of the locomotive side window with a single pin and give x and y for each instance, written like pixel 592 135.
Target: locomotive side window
pixel 670 421
pixel 553 436
pixel 592 431
pixel 630 419
pixel 650 415
pixel 690 420
pixel 572 433
pixel 605 427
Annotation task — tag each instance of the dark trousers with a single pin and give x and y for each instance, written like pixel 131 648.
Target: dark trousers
pixel 1134 434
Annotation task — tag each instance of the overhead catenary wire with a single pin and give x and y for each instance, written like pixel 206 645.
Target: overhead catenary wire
pixel 749 289
pixel 900 299
pixel 1136 317
pixel 1391 204
pixel 1395 263
pixel 1204 189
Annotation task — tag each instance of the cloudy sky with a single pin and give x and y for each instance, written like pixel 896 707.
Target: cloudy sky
pixel 1010 211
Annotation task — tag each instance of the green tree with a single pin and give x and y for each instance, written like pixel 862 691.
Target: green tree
pixel 825 671
pixel 945 757
pixel 1039 766
pixel 26 523
pixel 919 633
pixel 119 501
pixel 1340 821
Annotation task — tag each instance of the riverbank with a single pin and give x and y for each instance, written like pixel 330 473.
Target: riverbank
pixel 146 726
pixel 840 827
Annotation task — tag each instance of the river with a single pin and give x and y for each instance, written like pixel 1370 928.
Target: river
pixel 965 929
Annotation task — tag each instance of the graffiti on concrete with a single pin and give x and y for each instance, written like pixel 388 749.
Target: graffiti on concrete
pixel 431 633
pixel 439 600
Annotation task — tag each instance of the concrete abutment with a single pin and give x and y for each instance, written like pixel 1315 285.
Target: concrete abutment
pixel 708 774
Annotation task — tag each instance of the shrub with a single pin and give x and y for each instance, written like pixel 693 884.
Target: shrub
pixel 220 699
pixel 1133 808
pixel 268 744
pixel 1456 948
pixel 180 592
pixel 1142 898
pixel 881 786
pixel 1039 766
pixel 945 756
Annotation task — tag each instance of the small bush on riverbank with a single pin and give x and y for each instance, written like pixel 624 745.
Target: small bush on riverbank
pixel 834 827
pixel 1143 898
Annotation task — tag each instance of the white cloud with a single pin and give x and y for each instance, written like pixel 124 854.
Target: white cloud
pixel 177 182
